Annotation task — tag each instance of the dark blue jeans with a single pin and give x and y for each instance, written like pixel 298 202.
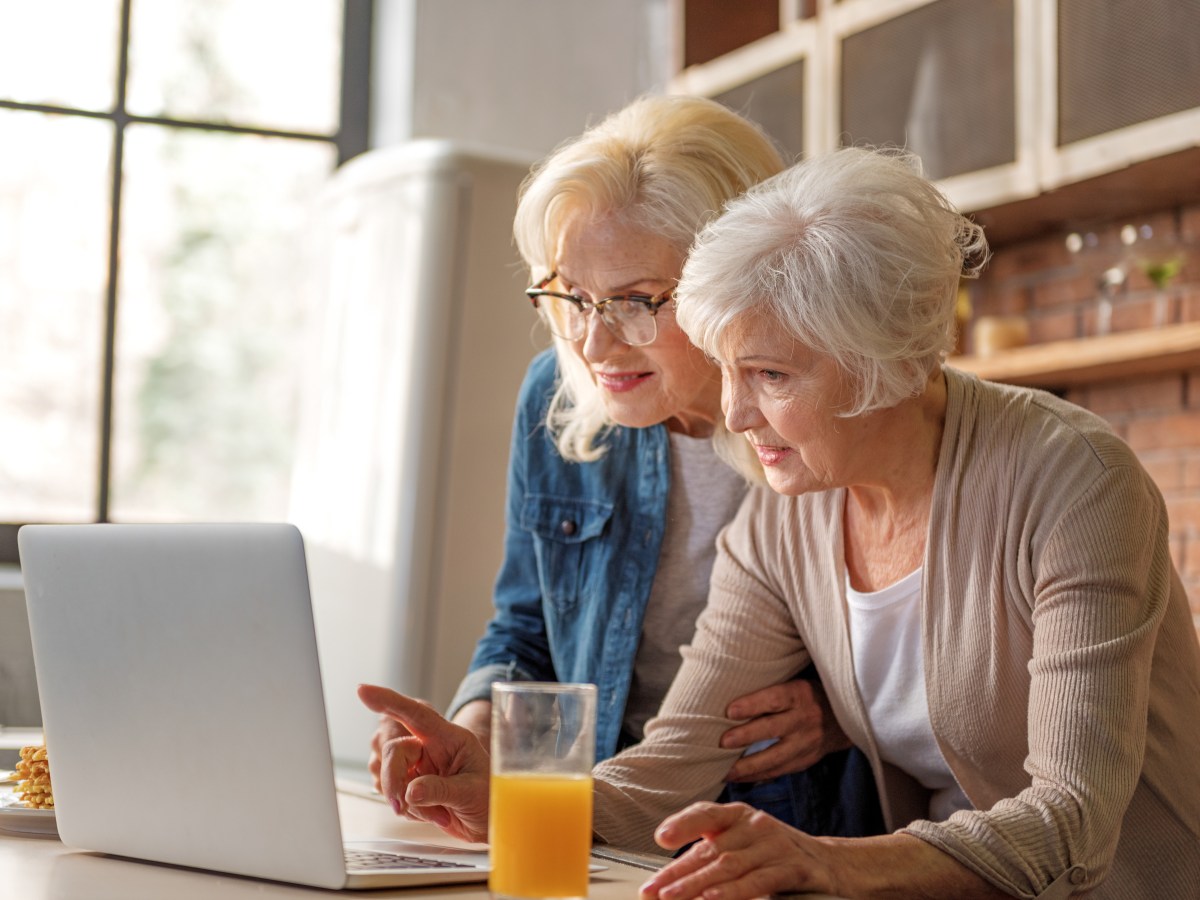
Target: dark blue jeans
pixel 835 797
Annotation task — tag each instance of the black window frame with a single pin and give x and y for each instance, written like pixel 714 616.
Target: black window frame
pixel 350 139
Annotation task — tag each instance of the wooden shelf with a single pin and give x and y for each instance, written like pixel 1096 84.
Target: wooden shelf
pixel 1066 363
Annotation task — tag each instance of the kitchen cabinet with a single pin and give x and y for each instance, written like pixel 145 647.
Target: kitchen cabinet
pixel 1005 101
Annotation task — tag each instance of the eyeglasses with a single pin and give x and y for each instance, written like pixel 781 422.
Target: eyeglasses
pixel 630 317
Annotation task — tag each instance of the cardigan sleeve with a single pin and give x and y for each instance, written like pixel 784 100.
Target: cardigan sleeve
pixel 1102 580
pixel 745 639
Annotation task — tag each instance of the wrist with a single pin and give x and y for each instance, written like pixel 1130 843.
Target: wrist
pixel 476 717
pixel 899 865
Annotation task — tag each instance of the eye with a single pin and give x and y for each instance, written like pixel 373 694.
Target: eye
pixel 770 375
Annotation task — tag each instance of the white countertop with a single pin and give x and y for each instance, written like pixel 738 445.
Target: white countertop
pixel 41 868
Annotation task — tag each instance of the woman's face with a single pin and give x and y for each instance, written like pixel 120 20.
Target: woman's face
pixel 668 380
pixel 784 398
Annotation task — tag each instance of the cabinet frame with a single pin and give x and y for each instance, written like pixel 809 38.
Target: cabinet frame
pixel 1040 165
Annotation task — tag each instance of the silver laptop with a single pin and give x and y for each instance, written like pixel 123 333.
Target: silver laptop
pixel 181 699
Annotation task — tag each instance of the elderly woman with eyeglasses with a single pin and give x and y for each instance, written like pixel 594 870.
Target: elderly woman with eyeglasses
pixel 615 490
pixel 980 573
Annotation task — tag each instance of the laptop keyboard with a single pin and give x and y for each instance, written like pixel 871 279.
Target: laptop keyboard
pixel 362 860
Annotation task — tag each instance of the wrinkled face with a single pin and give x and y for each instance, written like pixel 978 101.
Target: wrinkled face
pixel 784 398
pixel 668 380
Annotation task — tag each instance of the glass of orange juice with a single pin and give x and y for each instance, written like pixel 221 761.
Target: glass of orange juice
pixel 540 823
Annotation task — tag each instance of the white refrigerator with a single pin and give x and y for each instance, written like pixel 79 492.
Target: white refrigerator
pixel 422 339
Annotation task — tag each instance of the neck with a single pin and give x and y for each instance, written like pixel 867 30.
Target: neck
pixel 700 416
pixel 909 436
pixel 887 515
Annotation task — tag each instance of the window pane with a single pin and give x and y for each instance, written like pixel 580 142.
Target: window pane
pixel 212 309
pixel 258 63
pixel 59 52
pixel 53 256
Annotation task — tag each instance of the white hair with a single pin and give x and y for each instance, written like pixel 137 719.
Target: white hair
pixel 665 164
pixel 855 254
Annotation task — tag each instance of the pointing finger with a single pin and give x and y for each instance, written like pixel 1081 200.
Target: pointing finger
pixel 417 717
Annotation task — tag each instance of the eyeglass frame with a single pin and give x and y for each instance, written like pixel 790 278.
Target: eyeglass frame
pixel 652 303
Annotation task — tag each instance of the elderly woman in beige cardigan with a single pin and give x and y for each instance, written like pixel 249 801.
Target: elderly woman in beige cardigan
pixel 980 573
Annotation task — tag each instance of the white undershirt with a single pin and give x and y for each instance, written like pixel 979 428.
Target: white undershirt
pixel 885 636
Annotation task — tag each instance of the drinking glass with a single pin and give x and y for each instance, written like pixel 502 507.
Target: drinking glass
pixel 540 823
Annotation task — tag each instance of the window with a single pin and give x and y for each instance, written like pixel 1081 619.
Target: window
pixel 162 158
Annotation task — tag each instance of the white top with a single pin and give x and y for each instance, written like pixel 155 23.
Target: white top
pixel 885 636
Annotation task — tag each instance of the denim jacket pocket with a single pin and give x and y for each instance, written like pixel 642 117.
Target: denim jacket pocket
pixel 564 530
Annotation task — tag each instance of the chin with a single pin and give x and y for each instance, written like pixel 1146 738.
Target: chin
pixel 788 486
pixel 633 418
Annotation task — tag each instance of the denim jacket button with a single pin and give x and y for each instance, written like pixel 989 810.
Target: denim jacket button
pixel 568 527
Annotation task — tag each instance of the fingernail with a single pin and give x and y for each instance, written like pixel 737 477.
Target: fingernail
pixel 438 816
pixel 396 807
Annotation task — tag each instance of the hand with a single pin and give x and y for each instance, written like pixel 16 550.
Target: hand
pixel 741 850
pixel 797 715
pixel 430 769
pixel 387 731
pixel 475 716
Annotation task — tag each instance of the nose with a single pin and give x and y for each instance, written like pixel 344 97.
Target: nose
pixel 737 402
pixel 598 341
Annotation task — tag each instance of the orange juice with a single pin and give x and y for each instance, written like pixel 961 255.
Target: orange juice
pixel 540 830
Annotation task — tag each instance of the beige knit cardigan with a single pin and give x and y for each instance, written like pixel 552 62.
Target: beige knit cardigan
pixel 1061 662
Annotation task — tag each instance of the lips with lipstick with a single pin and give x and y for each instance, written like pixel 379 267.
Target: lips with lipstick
pixel 619 382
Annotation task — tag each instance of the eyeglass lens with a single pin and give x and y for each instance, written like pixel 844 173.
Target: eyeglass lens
pixel 628 320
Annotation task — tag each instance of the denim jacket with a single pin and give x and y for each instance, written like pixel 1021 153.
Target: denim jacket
pixel 580 552
pixel 581 548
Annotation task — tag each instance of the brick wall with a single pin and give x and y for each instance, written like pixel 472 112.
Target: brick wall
pixel 1058 292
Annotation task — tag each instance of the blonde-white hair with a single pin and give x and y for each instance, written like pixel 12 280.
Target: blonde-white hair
pixel 854 254
pixel 664 164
